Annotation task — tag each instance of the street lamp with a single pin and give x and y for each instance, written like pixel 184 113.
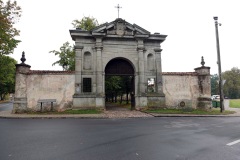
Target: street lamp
pixel 219 64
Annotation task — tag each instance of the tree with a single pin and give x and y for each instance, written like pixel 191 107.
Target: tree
pixel 9 15
pixel 7 75
pixel 232 85
pixel 67 57
pixel 118 86
pixel 67 53
pixel 214 84
pixel 113 86
pixel 86 23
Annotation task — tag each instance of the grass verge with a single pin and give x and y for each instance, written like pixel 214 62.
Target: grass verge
pixel 5 101
pixel 234 103
pixel 85 111
pixel 193 111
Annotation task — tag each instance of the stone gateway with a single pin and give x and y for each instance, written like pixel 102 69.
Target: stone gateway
pixel 116 48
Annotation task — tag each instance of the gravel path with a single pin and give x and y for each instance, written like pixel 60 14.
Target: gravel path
pixel 118 111
pixel 125 114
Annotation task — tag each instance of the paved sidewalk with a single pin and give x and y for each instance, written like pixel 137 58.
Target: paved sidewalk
pixel 226 106
pixel 105 114
pixel 115 113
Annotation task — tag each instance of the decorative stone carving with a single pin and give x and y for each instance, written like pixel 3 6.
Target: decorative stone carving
pixel 23 59
pixel 202 62
pixel 120 28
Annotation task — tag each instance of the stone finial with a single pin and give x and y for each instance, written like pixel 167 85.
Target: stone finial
pixel 202 62
pixel 23 59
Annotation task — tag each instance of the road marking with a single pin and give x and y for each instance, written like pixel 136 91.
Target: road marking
pixel 234 142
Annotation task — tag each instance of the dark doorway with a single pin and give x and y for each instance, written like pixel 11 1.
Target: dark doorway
pixel 119 85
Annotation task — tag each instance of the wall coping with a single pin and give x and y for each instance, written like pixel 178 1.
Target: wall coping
pixel 180 73
pixel 42 72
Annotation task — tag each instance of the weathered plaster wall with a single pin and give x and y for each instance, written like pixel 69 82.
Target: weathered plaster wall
pixel 50 85
pixel 177 87
pixel 34 85
pixel 180 87
pixel 57 85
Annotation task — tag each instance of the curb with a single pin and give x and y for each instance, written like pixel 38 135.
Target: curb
pixel 49 117
pixel 17 116
pixel 9 115
pixel 190 115
pixel 24 116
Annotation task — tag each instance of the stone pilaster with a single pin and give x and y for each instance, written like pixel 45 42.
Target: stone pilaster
pixel 141 69
pixel 204 84
pixel 159 81
pixel 20 98
pixel 78 69
pixel 99 68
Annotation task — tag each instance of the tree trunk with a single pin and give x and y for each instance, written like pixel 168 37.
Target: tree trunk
pixel 112 97
pixel 121 99
pixel 115 97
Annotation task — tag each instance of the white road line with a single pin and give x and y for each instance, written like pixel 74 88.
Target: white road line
pixel 234 142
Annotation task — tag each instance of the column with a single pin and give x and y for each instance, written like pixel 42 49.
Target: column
pixel 78 69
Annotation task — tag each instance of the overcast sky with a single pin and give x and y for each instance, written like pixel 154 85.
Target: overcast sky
pixel 189 24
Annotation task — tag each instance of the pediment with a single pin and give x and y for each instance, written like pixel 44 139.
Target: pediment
pixel 120 27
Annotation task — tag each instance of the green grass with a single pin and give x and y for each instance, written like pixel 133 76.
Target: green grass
pixel 4 101
pixel 85 111
pixel 189 111
pixel 234 103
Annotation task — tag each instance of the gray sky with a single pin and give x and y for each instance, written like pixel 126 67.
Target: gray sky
pixel 189 24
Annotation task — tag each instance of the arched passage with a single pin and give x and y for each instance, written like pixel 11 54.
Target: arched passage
pixel 119 66
pixel 119 83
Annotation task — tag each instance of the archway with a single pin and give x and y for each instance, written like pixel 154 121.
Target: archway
pixel 119 84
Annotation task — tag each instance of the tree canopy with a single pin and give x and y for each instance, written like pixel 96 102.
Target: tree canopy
pixel 67 57
pixel 214 84
pixel 231 88
pixel 118 86
pixel 232 85
pixel 67 54
pixel 86 23
pixel 7 75
pixel 10 12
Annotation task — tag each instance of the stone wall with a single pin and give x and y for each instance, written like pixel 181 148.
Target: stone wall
pixel 181 87
pixel 177 86
pixel 35 85
pixel 188 89
pixel 50 85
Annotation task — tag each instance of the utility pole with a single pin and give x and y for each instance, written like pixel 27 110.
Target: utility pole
pixel 219 64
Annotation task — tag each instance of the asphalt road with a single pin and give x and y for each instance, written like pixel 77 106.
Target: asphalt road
pixel 120 139
pixel 6 106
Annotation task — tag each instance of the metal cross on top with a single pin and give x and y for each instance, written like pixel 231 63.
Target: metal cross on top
pixel 118 7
